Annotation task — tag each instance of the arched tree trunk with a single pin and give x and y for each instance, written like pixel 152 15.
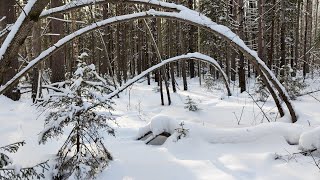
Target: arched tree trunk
pixel 15 39
pixel 195 19
pixel 193 56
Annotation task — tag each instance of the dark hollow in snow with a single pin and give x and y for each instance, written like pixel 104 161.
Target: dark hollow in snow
pixel 157 140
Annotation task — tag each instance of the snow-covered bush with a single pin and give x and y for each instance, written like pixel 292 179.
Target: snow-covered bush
pixel 83 154
pixel 9 171
pixel 191 105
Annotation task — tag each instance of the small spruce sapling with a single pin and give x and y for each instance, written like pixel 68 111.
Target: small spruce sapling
pixel 181 131
pixel 209 81
pixel 83 154
pixel 293 84
pixel 9 171
pixel 191 105
pixel 261 90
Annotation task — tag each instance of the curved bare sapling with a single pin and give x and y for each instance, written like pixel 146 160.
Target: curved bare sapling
pixel 194 56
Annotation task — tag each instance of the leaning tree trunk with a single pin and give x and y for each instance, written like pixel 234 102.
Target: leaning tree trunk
pixel 9 56
pixel 8 10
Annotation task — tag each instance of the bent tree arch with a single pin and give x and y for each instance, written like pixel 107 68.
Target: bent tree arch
pixel 187 16
pixel 154 3
pixel 194 56
pixel 75 4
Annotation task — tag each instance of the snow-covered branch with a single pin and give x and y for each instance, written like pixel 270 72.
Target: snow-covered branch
pixel 15 28
pixel 188 16
pixel 82 3
pixel 195 56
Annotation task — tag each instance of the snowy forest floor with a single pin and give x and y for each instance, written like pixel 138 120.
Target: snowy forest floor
pixel 190 158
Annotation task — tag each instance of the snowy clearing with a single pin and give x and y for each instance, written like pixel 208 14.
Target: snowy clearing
pixel 216 146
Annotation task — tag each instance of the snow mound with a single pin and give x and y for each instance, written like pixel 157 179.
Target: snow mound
pixel 158 125
pixel 310 140
pixel 290 132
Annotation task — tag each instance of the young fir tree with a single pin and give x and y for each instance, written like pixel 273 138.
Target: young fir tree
pixel 209 81
pixel 181 131
pixel 83 154
pixel 9 171
pixel 261 90
pixel 191 105
pixel 293 84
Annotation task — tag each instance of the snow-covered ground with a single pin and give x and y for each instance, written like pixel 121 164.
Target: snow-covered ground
pixel 226 139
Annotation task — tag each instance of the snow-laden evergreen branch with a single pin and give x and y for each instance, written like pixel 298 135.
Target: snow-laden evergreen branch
pixel 78 104
pixel 9 171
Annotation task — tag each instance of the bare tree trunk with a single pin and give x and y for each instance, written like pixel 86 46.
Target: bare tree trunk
pixel 117 48
pixel 282 38
pixel 191 43
pixel 296 48
pixel 36 76
pixel 58 58
pixel 316 20
pixel 8 10
pixel 306 35
pixel 233 57
pixel 261 27
pixel 173 82
pixel 242 77
pixel 183 64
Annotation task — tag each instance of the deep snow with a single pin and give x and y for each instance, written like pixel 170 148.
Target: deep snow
pixel 216 147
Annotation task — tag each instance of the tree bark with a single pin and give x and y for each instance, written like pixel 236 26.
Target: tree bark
pixel 297 33
pixel 36 50
pixel 7 62
pixel 282 38
pixel 261 27
pixel 7 10
pixel 58 58
pixel 306 37
pixel 242 77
